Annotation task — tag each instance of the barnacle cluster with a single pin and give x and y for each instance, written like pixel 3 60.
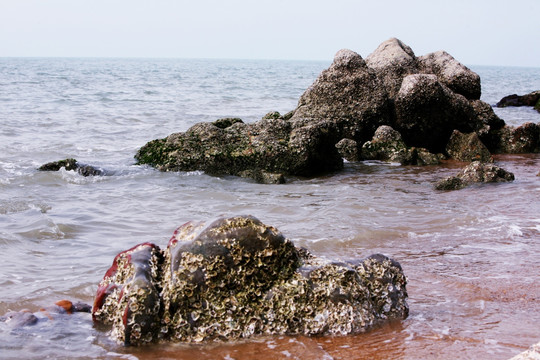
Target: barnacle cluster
pixel 234 278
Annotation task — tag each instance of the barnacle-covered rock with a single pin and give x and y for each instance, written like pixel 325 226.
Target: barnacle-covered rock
pixel 234 278
pixel 128 296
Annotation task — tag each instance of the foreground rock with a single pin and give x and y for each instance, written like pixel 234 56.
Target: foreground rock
pixel 72 165
pixel 235 278
pixel 530 99
pixel 476 172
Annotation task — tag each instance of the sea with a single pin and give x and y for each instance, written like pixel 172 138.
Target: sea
pixel 470 256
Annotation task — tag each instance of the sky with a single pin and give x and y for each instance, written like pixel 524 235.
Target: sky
pixel 475 32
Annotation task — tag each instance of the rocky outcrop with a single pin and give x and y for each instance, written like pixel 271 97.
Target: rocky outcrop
pixel 475 172
pixel 234 278
pixel 530 99
pixel 388 145
pixel 423 98
pixel 270 145
pixel 72 165
pixel 467 147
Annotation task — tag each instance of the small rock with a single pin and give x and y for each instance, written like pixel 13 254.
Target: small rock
pixel 72 165
pixel 388 145
pixel 226 122
pixel 475 172
pixel 467 147
pixel 348 149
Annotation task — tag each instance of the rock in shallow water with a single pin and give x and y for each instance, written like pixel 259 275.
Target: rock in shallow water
pixel 236 277
pixel 475 172
pixel 72 165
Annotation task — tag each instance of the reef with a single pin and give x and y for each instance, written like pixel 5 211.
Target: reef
pixel 234 278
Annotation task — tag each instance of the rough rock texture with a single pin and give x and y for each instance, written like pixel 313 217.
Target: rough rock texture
pixel 530 99
pixel 450 72
pixel 72 165
pixel 475 172
pixel 517 140
pixel 388 145
pixel 467 147
pixel 393 61
pixel 427 112
pixel 236 277
pixel 348 94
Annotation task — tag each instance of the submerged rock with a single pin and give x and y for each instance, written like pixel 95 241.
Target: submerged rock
pixel 23 318
pixel 234 278
pixel 72 165
pixel 476 172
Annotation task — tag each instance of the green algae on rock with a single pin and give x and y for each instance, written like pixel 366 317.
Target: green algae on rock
pixel 234 278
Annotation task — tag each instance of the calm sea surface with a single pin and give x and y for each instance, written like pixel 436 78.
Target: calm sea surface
pixel 471 256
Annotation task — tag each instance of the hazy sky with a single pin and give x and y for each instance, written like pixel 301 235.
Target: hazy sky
pixel 476 32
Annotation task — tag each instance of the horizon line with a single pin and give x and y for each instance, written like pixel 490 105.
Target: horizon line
pixel 207 58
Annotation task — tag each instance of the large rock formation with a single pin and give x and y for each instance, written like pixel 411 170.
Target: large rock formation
pixel 423 98
pixel 236 277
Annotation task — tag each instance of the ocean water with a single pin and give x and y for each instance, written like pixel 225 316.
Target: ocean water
pixel 470 256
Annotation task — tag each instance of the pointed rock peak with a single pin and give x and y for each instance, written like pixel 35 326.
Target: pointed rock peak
pixel 348 58
pixel 390 52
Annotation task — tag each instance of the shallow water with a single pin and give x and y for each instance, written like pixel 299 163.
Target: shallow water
pixel 470 256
